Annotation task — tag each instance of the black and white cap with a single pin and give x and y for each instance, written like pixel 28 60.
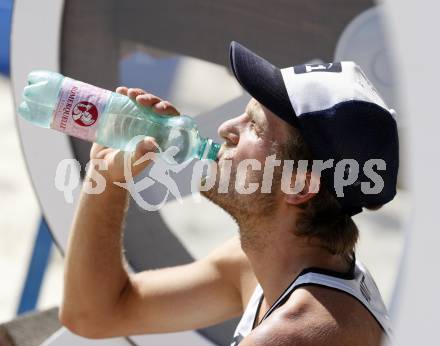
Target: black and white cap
pixel 341 117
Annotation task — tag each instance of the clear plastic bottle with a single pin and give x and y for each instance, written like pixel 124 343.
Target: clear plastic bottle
pixel 84 111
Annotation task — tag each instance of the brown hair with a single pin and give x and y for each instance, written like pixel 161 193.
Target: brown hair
pixel 321 217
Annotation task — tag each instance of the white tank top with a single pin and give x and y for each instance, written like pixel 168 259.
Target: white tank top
pixel 358 283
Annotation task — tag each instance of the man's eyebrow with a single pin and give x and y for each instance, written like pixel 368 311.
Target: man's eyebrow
pixel 252 111
pixel 249 111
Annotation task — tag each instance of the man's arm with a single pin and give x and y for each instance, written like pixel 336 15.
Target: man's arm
pixel 94 275
pixel 102 300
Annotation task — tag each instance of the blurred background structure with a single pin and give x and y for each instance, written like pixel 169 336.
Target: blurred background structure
pixel 181 56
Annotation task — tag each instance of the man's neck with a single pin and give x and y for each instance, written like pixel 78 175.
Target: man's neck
pixel 278 256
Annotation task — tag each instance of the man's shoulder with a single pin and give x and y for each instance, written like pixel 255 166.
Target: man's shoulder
pixel 316 315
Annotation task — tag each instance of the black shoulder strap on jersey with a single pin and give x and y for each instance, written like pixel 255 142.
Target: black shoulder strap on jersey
pixel 349 275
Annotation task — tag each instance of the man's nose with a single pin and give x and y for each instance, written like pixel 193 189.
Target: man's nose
pixel 229 131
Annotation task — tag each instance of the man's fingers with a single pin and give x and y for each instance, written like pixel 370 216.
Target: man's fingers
pixel 122 90
pixel 142 156
pixel 147 100
pixel 145 151
pixel 135 92
pixel 102 153
pixel 165 108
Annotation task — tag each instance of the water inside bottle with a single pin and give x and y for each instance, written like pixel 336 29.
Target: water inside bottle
pixel 175 143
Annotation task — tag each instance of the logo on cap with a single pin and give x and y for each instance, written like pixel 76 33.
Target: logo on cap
pixel 331 67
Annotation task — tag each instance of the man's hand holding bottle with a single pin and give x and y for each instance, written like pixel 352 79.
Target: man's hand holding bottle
pixel 114 158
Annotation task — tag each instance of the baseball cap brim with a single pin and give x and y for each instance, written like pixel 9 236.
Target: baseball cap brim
pixel 261 80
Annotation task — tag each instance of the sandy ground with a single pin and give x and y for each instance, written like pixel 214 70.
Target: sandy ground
pixel 379 248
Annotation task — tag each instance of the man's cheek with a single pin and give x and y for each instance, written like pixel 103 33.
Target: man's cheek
pixel 229 154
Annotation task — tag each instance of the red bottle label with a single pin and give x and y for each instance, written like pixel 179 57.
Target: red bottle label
pixel 79 109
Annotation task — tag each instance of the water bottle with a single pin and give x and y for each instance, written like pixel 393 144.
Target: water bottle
pixel 85 111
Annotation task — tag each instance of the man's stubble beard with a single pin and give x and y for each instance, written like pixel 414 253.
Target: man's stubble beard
pixel 248 210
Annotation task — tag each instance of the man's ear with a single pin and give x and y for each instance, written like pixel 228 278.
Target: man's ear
pixel 306 186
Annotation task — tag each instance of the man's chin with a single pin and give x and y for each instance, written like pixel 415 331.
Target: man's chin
pixel 213 196
pixel 209 194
